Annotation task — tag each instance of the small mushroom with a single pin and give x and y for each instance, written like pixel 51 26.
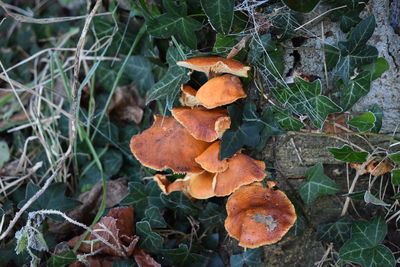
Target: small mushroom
pixel 210 160
pixel 202 124
pixel 194 185
pixel 258 216
pixel 167 187
pixel 200 185
pixel 188 96
pixel 241 170
pixel 219 91
pixel 215 65
pixel 168 145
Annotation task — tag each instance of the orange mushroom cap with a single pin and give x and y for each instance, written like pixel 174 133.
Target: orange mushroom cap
pixel 219 91
pixel 200 185
pixel 242 170
pixel 258 216
pixel 202 124
pixel 215 65
pixel 167 144
pixel 188 96
pixel 210 160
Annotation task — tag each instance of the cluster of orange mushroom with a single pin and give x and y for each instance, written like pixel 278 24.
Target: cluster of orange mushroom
pixel 189 143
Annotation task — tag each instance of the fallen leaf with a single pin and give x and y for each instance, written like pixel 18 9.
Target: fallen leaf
pixel 116 191
pixel 94 262
pixel 145 260
pixel 373 167
pixel 108 229
pixel 126 105
pixel 335 123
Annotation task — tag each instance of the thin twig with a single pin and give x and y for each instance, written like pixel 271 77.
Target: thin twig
pixel 25 19
pixel 29 203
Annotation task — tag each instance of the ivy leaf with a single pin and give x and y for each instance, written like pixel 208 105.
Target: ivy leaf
pixel 284 24
pixel 332 55
pixel 395 157
pixel 267 56
pixel 169 85
pixel 378 112
pixel 354 52
pixel 347 154
pixel 336 232
pixel 363 123
pixel 139 70
pixel 348 62
pixel 142 197
pixel 361 33
pixel 270 127
pixel 252 258
pixel 4 153
pixel 219 13
pixel 212 216
pixel 107 73
pixel 354 90
pixel 179 202
pixel 303 6
pixel 308 100
pixel 153 216
pixel 112 162
pixel 396 177
pixel 286 119
pixel 233 139
pixel 181 256
pixel 149 241
pixel 61 260
pixel 318 184
pixel 364 246
pixel 370 198
pixel 53 198
pixel 175 22
pixel 348 20
pixel 377 68
pixel 224 43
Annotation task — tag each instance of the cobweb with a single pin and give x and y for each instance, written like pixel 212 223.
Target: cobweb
pixel 260 24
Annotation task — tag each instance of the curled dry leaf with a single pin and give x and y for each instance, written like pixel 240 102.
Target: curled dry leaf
pixel 258 216
pixel 145 260
pixel 375 168
pixel 117 230
pixel 126 105
pixel 168 145
pixel 116 191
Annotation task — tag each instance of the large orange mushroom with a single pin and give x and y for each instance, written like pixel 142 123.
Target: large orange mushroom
pixel 258 216
pixel 202 124
pixel 168 145
pixel 219 91
pixel 210 160
pixel 215 65
pixel 241 170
